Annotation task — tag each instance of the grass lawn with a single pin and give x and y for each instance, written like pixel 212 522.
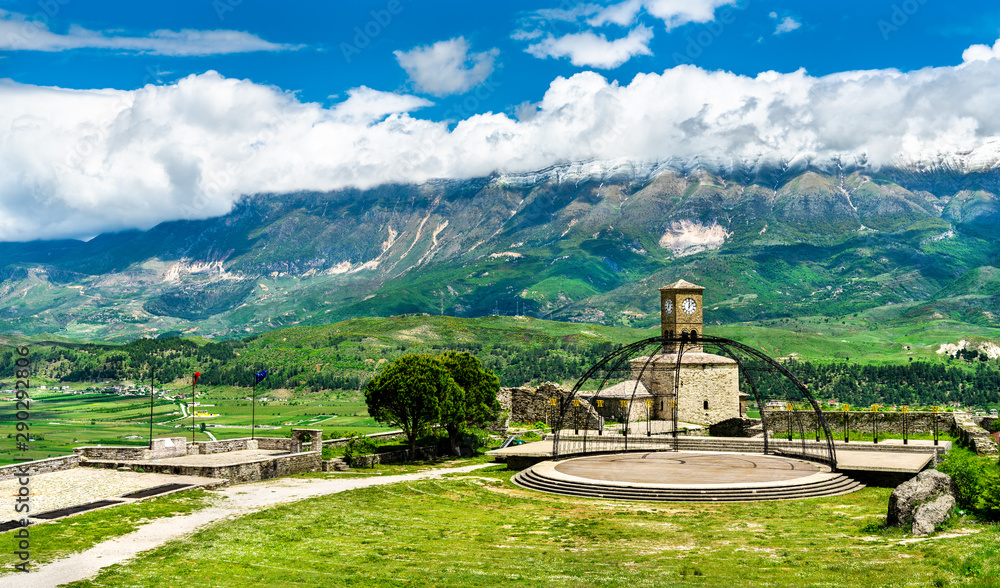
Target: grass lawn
pixel 478 530
pixel 77 533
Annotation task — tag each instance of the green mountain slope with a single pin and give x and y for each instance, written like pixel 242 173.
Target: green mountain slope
pixel 767 244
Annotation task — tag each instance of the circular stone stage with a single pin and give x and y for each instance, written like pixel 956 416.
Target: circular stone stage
pixel 686 476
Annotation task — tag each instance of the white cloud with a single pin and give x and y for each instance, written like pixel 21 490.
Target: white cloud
pixel 78 162
pixel 591 50
pixel 981 53
pixel 786 25
pixel 673 13
pixel 19 33
pixel 622 14
pixel 446 67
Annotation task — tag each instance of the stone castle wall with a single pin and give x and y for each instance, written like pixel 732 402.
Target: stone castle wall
pixel 533 404
pixel 623 410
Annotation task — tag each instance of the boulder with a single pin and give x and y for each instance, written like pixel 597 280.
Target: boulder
pixel 931 514
pixel 922 502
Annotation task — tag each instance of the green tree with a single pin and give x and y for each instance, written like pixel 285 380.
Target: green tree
pixel 473 402
pixel 407 393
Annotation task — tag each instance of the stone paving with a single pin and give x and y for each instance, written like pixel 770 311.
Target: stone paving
pixel 209 459
pixel 81 485
pixel 688 468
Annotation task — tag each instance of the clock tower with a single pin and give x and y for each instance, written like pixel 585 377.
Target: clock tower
pixel 681 309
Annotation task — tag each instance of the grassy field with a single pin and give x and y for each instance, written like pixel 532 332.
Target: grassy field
pixel 478 530
pixel 62 421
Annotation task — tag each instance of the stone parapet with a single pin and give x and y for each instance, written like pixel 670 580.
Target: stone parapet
pixel 859 421
pixel 275 443
pixel 41 466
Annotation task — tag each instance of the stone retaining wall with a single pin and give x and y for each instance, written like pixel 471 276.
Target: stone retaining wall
pixel 251 471
pixel 427 452
pixel 41 466
pixel 973 436
pixel 388 435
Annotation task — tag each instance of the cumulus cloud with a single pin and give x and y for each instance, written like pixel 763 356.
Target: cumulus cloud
pixel 446 67
pixel 981 53
pixel 592 50
pixel 78 162
pixel 19 33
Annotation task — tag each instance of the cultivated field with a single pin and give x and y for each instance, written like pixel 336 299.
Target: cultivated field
pixel 61 421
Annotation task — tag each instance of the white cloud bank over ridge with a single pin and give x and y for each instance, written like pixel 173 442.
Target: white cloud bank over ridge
pixel 19 33
pixel 84 161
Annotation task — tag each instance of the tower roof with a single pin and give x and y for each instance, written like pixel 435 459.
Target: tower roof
pixel 682 285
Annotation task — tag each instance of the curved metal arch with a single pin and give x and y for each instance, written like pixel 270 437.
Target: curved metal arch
pixel 619 356
pixel 726 347
pixel 821 419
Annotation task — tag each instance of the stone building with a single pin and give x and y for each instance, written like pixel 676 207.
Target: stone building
pixel 707 391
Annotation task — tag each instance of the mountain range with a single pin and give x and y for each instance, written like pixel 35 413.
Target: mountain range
pixel 588 242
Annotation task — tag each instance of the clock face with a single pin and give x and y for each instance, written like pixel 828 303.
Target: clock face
pixel 689 305
pixel 668 307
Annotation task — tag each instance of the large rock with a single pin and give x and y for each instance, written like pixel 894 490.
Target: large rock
pixel 922 502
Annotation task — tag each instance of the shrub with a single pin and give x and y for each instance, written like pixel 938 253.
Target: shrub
pixel 978 481
pixel 358 445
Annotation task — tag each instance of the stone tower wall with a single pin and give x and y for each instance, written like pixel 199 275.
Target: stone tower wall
pixel 717 383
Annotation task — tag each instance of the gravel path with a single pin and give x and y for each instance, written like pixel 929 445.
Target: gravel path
pixel 232 502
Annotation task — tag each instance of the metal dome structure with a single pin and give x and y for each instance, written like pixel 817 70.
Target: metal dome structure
pixel 640 390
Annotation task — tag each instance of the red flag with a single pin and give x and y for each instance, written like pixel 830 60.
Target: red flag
pixel 194 381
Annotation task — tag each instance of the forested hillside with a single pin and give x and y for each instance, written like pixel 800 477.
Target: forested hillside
pixel 345 355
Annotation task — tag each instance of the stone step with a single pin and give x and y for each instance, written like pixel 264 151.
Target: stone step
pixel 829 486
pixel 833 482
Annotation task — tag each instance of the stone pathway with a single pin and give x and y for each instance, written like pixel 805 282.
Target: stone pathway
pixel 81 485
pixel 232 501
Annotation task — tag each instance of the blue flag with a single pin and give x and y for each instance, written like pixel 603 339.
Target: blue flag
pixel 260 376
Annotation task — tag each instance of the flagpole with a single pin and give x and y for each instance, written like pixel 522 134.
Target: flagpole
pixel 151 405
pixel 194 382
pixel 257 377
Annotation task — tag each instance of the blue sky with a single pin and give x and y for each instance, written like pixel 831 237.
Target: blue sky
pixel 323 95
pixel 323 54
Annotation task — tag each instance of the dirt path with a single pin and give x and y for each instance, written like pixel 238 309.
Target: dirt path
pixel 231 502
